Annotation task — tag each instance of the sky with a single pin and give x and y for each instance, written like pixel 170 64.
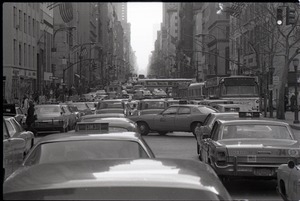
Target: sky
pixel 143 17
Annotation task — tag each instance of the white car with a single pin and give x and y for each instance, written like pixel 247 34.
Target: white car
pixel 288 181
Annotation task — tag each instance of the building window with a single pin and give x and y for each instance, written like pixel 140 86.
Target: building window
pixel 15 52
pixel 29 56
pixel 33 27
pixel 15 16
pixel 29 25
pixel 37 29
pixel 25 23
pixel 20 20
pixel 20 54
pixel 33 57
pixel 25 55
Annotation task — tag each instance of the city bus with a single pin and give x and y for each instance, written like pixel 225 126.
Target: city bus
pixel 196 91
pixel 240 89
pixel 177 86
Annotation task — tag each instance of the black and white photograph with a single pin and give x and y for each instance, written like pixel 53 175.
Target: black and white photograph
pixel 151 100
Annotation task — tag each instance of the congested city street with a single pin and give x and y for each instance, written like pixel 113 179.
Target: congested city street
pixel 151 101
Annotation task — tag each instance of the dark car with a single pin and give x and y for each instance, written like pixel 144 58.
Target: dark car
pixel 51 118
pixel 249 148
pixel 116 179
pixel 183 117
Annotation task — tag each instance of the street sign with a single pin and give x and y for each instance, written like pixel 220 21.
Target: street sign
pixel 275 80
pixel 53 77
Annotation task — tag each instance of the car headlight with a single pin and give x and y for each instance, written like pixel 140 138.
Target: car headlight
pixel 293 152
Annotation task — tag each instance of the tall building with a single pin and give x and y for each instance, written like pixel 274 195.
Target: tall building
pixel 21 32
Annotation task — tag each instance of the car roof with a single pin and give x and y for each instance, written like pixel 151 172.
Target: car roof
pixel 256 121
pixel 71 136
pixel 43 105
pixel 162 172
pixel 111 120
pixel 149 100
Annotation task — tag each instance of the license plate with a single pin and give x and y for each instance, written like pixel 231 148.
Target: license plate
pixel 263 172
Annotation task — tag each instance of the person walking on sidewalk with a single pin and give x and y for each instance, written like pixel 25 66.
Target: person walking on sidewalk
pixel 293 102
pixel 30 119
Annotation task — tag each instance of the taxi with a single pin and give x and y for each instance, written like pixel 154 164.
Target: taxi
pixel 249 147
pixel 116 179
pixel 288 180
pixel 181 117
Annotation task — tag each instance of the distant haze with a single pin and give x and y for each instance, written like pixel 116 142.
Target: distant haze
pixel 144 18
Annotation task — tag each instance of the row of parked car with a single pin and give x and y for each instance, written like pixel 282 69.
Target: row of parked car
pixel 82 163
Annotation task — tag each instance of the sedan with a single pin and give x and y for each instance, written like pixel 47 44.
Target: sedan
pixel 288 181
pixel 83 108
pixel 15 130
pixel 81 146
pixel 17 112
pixel 249 148
pixel 111 106
pixel 51 117
pixel 14 151
pixel 175 118
pixel 116 179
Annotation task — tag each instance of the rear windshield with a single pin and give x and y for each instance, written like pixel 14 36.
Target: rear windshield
pixel 104 105
pixel 81 106
pixel 85 150
pixel 256 131
pixel 47 109
pixel 153 105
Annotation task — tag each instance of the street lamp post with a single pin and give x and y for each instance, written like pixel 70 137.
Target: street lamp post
pixel 296 63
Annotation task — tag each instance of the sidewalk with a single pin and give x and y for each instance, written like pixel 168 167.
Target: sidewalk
pixel 289 118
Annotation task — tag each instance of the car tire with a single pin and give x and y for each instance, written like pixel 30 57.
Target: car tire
pixel 143 128
pixel 162 133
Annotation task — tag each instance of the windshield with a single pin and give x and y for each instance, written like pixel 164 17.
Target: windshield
pixel 239 90
pixel 153 105
pixel 81 106
pixel 256 131
pixel 85 150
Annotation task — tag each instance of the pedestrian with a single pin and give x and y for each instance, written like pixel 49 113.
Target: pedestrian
pixel 30 118
pixel 198 132
pixel 25 104
pixel 286 102
pixel 293 102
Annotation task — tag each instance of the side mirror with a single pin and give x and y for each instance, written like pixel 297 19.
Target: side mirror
pixel 291 164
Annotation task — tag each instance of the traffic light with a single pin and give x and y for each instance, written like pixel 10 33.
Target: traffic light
pixel 290 16
pixel 279 17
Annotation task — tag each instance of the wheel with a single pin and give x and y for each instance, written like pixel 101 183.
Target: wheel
pixel 143 128
pixel 162 133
